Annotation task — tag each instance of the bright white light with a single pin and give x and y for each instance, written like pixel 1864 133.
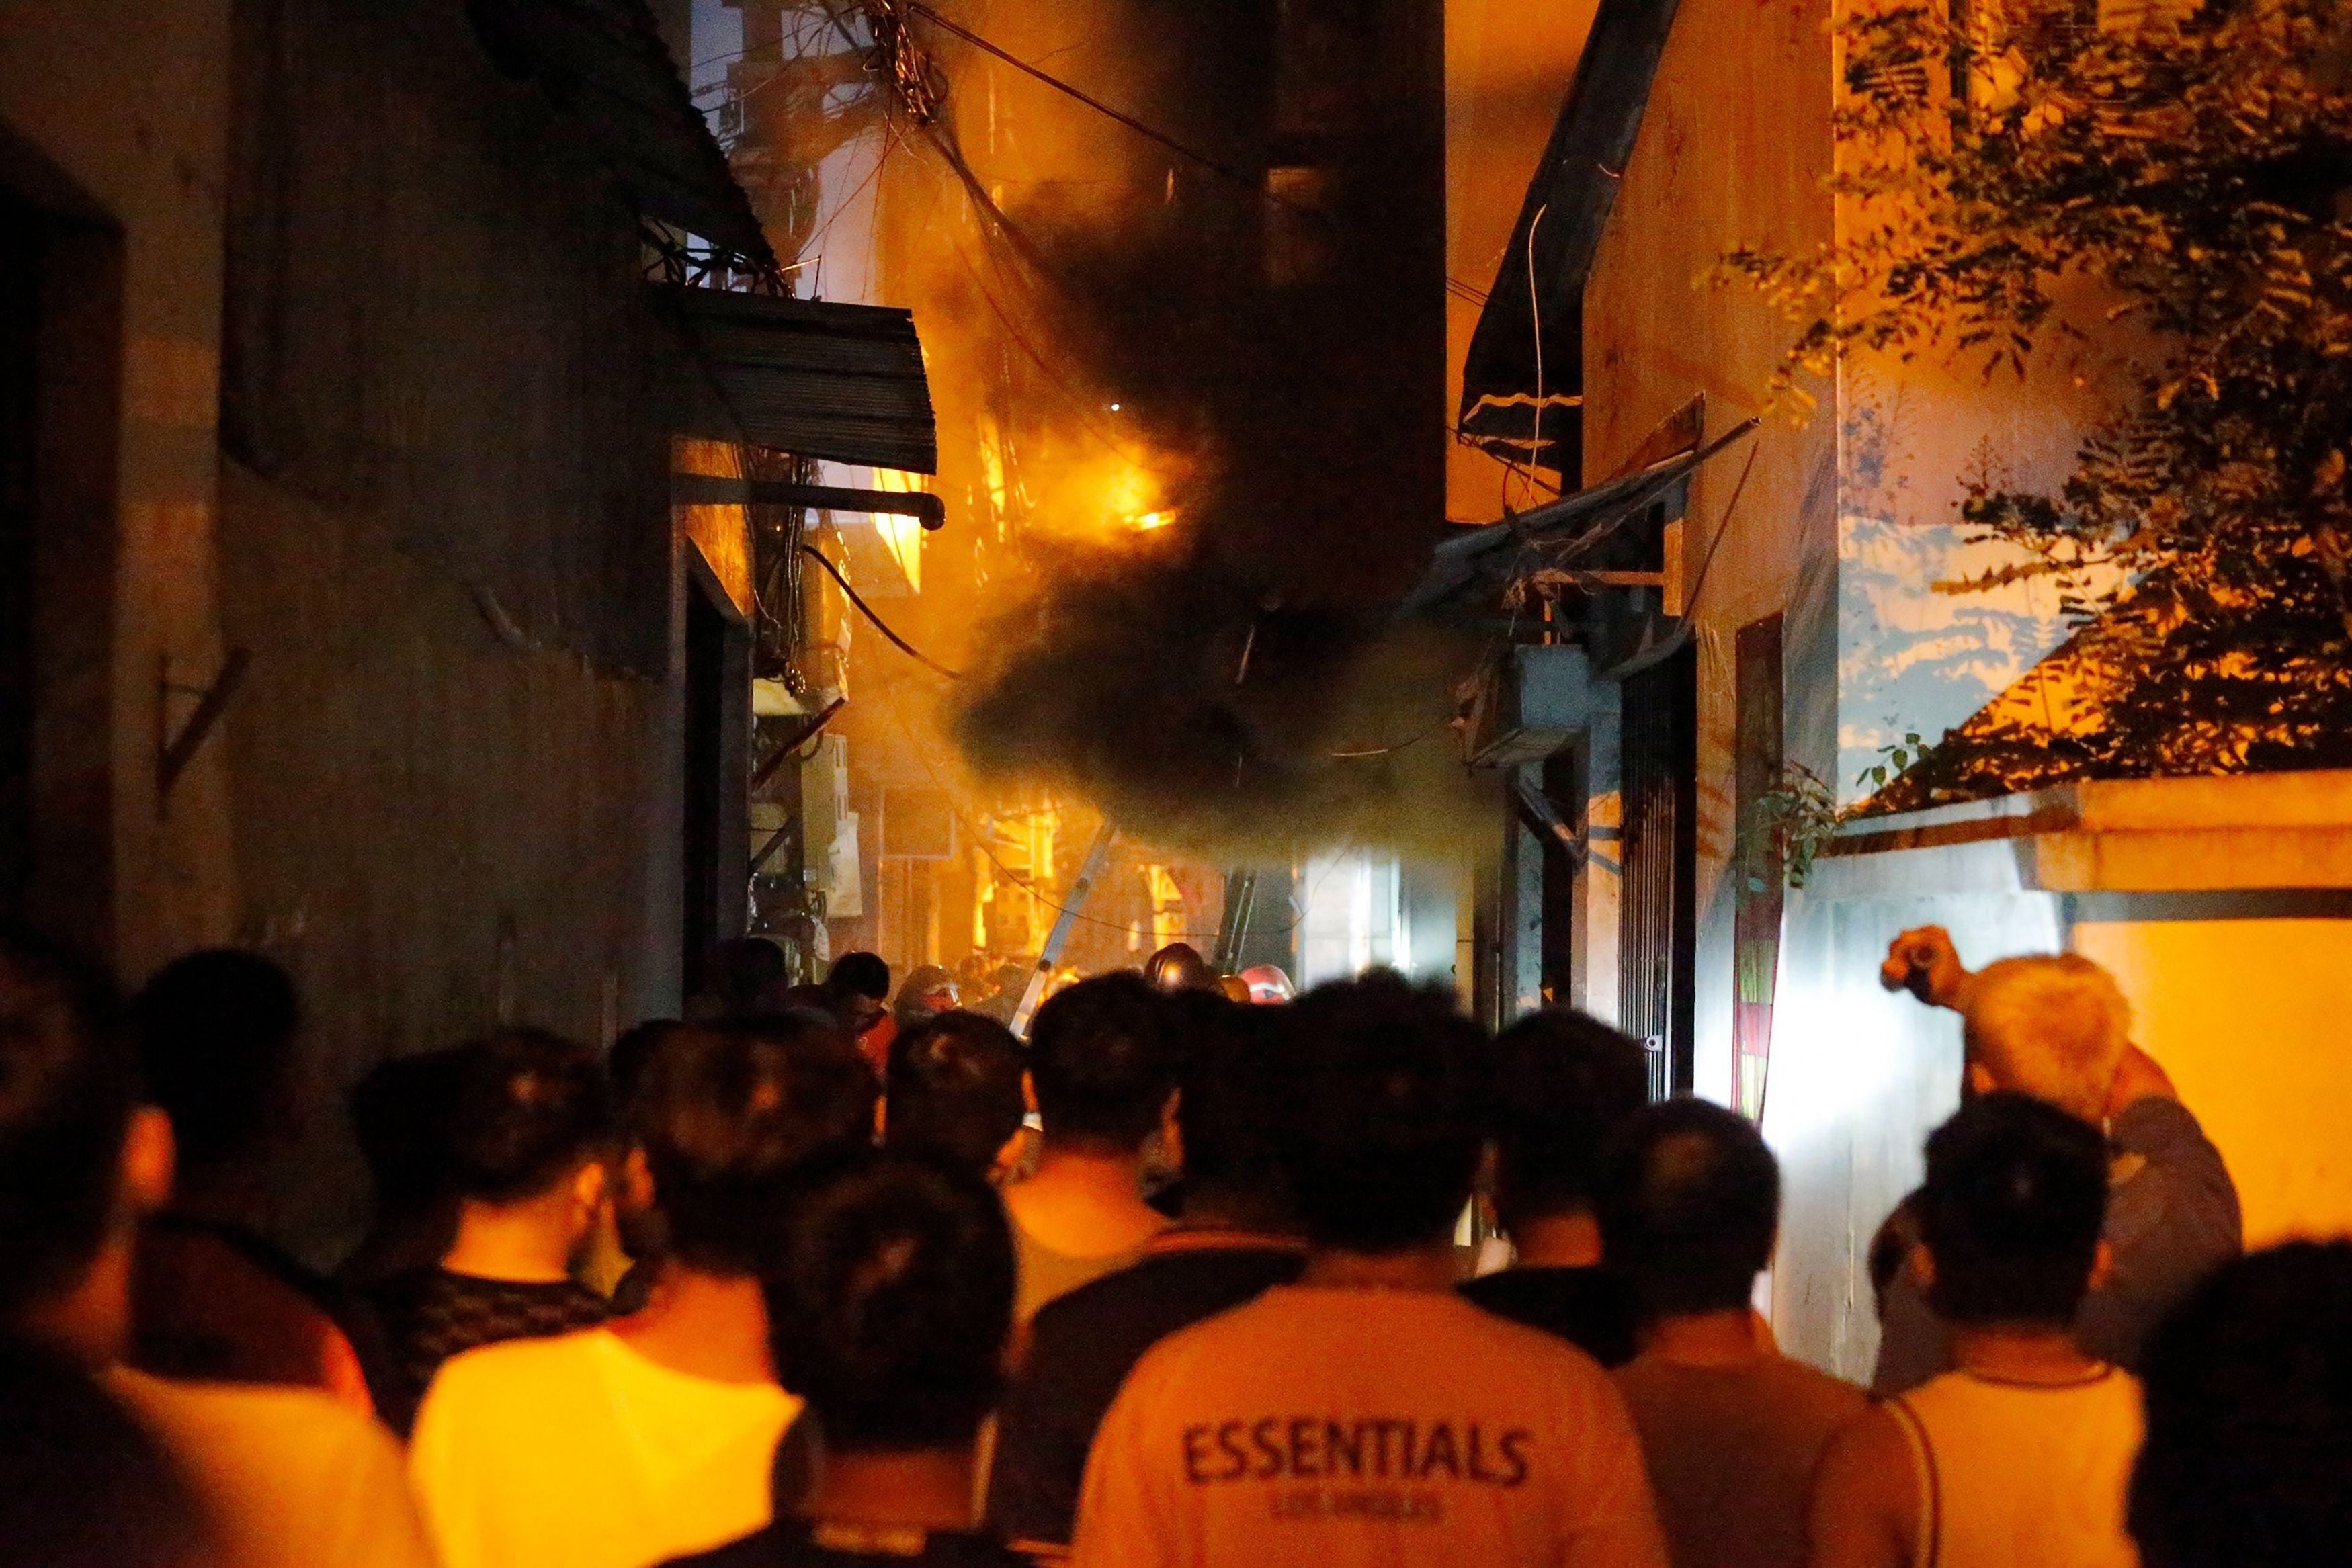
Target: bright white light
pixel 1114 408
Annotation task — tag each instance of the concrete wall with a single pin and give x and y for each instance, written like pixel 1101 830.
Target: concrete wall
pixel 2223 906
pixel 1859 1078
pixel 1732 151
pixel 449 793
pixel 2246 1013
pixel 135 117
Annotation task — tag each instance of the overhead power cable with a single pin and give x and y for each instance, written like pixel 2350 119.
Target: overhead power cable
pixel 1149 132
pixel 879 625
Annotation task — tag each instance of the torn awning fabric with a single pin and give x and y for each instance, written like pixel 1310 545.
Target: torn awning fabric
pixel 818 378
pixel 1468 571
pixel 604 65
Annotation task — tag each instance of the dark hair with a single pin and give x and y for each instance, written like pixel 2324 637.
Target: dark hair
pixel 859 974
pixel 1179 966
pixel 1690 1201
pixel 632 1048
pixel 68 1083
pixel 743 977
pixel 726 1113
pixel 217 1033
pixel 1891 1247
pixel 88 1486
pixel 1564 1085
pixel 1237 1087
pixel 2012 1211
pixel 1103 1059
pixel 401 1114
pixel 529 1108
pixel 1384 1142
pixel 890 1299
pixel 955 1089
pixel 2247 1386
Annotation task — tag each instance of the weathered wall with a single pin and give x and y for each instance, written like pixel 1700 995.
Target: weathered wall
pixel 438 827
pixel 1733 149
pixel 449 792
pixel 135 117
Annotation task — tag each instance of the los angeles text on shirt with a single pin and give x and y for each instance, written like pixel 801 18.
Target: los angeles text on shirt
pixel 1380 1447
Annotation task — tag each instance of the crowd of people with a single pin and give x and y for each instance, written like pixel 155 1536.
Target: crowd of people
pixel 819 1281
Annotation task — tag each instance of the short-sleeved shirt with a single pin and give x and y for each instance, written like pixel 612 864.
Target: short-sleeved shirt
pixel 1045 1272
pixel 432 1314
pixel 1591 1308
pixel 580 1450
pixel 1340 1427
pixel 1083 1345
pixel 797 1543
pixel 290 1478
pixel 1732 1451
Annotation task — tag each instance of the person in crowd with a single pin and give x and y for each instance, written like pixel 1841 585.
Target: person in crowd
pixel 83 1484
pixel 636 1242
pixel 285 1476
pixel 957 1087
pixel 1238 1237
pixel 1564 1085
pixel 400 1117
pixel 2057 1027
pixel 745 977
pixel 856 992
pixel 215 1298
pixel 1007 984
pixel 1179 966
pixel 2019 1457
pixel 653 1435
pixel 929 991
pixel 2247 1462
pixel 1733 1431
pixel 530 1132
pixel 1102 1057
pixel 890 1292
pixel 1369 1413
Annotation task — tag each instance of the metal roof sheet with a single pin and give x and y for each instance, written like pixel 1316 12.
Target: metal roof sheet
pixel 816 377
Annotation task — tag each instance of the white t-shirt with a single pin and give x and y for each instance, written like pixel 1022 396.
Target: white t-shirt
pixel 1338 1428
pixel 289 1476
pixel 576 1451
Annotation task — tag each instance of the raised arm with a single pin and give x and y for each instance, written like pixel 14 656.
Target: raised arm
pixel 1924 962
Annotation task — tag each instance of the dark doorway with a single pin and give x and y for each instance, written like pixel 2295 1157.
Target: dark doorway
pixel 20 315
pixel 1656 956
pixel 61 418
pixel 717 816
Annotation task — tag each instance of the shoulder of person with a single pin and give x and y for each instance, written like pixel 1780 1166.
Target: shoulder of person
pixel 177 1406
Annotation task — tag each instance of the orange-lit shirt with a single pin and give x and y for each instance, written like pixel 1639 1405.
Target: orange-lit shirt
pixel 289 1477
pixel 1340 1427
pixel 581 1452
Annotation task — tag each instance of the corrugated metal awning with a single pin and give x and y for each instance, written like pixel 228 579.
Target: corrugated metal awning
pixel 818 378
pixel 603 62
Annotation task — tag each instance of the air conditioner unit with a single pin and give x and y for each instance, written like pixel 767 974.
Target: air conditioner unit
pixel 1531 703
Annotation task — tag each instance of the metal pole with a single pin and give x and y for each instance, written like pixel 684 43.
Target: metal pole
pixel 1059 938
